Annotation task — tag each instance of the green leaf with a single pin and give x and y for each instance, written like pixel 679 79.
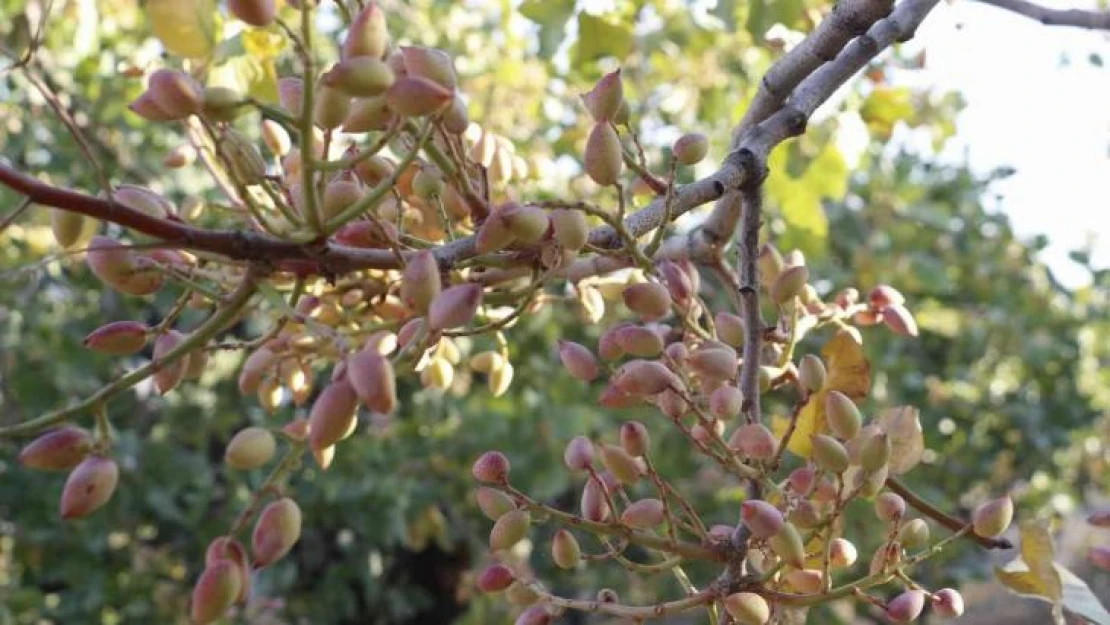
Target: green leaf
pixel 599 37
pixel 552 17
pixel 885 107
pixel 185 27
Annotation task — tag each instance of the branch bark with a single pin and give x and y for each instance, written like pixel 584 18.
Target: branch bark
pixel 1079 18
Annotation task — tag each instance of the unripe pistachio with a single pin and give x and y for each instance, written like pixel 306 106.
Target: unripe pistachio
pixel 914 534
pixel 748 608
pixel 607 346
pixel 493 503
pixel 754 440
pixel 456 119
pixel 761 518
pixel 805 581
pixel 360 76
pixel 291 95
pixel 420 282
pixel 907 606
pixel 578 455
pixel 118 338
pixel 604 101
pixel 255 367
pixel 842 553
pixel 1100 557
pixel 603 158
pixel 89 486
pixel 890 507
pixel 258 13
pixel 829 454
pixel 620 464
pixel 856 443
pixel 812 373
pixel 414 96
pixel 331 107
pixel 805 515
pixel 176 93
pixel 900 320
pixel 438 374
pixel 843 416
pixel 789 284
pixel 367 114
pixel 635 438
pixel 691 148
pixel 144 106
pixel 69 228
pixel 771 264
pixel 726 402
pixel 948 603
pixel 594 505
pixel 215 591
pixel 787 545
pixel 143 200
pixel 493 235
pixel 428 184
pixel 224 549
pixel 495 578
pixel 730 328
pixel 491 467
pixel 885 295
pixel 431 63
pixel 333 415
pixel 250 448
pixel 278 528
pixel 222 104
pixel 875 453
pixel 565 551
pixel 643 514
pixel 992 518
pixel 372 377
pixel 644 378
pixel 579 361
pixel 520 594
pixel 455 306
pixel 528 224
pixel 169 375
pixel 638 341
pixel 500 379
pixel 571 229
pixel 484 362
pixel 535 615
pixel 60 449
pixel 715 363
pixel 649 300
pixel 242 157
pixel 510 529
pixel 677 281
pixel 368 35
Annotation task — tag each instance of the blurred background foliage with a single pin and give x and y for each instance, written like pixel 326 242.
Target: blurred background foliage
pixel 1010 371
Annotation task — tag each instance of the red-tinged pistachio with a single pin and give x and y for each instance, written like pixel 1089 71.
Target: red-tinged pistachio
pixel 431 63
pixel 68 228
pixel 117 267
pixel 866 318
pixel 603 157
pixel 691 148
pixel 604 101
pixel 168 376
pixel 571 228
pixel 143 200
pixel 843 416
pixel 368 114
pixel 332 415
pixel 495 578
pixel 812 373
pixel 255 368
pixel 565 551
pixel 754 440
pixel 222 104
pixel 721 532
pixel 1100 557
pixel 644 378
pixel 331 107
pixel 1100 518
pixel 118 338
pixel 456 119
pixel 907 606
pixel 847 297
pixel 594 505
pixel 491 467
pixel 842 553
pixel 638 341
pixel 992 518
pixel 789 284
pixel 414 96
pixel 297 429
pixel 643 514
pixel 948 603
pixel 890 507
pixel 805 515
pixel 339 195
pixel 761 518
pixel 528 224
pixel 196 363
pixel 607 345
pixel 250 449
pixel 900 320
pixel 801 479
pixel 216 590
pixel 89 486
pixel 875 452
pixel 676 353
pixel 748 608
pixel 455 306
pixel 176 93
pixel 579 361
pixel 825 491
pixel 620 464
pixel 365 233
pixel 372 377
pixel 224 549
pixel 677 281
pixel 509 529
pixel 578 455
pixel 829 454
pixel 145 106
pixel 409 331
pixel 493 235
pixel 726 402
pixel 420 283
pixel 730 328
pixel 291 95
pixel 650 300
pixel 885 295
pixel 714 363
pixel 635 438
pixel 787 545
pixel 278 528
pixel 805 581
pixel 368 35
pixel 57 450
pixel 258 13
pixel 914 534
pixel 493 503
pixel 535 615
pixel 360 76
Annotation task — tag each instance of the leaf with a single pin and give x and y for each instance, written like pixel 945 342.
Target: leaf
pixel 1079 600
pixel 263 44
pixel 185 27
pixel 552 17
pixel 1038 553
pixel 885 107
pixel 599 37
pixel 907 441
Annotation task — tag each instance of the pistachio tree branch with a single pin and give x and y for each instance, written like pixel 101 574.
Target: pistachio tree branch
pixel 1079 18
pixel 942 517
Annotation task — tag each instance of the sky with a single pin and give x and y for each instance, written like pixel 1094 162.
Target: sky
pixel 1030 109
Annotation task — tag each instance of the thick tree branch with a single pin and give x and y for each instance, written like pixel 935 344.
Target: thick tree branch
pixel 1079 18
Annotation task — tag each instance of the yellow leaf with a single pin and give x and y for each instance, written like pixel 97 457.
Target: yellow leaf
pixel 263 44
pixel 1021 582
pixel 1038 552
pixel 185 27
